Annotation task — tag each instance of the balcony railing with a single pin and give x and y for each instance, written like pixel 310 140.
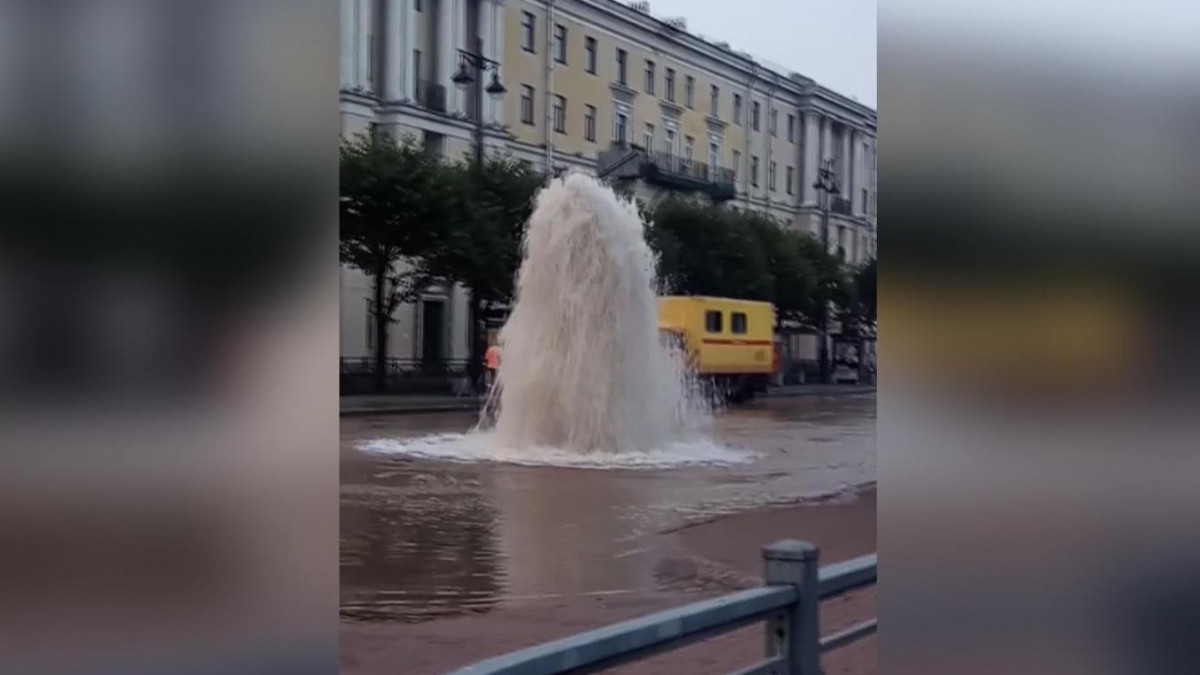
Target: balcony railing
pixel 431 95
pixel 623 160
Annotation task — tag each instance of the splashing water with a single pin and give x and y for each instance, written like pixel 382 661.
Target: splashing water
pixel 583 367
pixel 584 378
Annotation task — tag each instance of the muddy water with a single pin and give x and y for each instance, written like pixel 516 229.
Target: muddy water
pixel 423 539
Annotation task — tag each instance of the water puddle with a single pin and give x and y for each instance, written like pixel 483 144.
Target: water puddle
pixel 486 447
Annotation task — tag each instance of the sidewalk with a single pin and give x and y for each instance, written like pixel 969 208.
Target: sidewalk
pixel 397 404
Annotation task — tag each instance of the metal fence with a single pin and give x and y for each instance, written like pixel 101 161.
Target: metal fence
pixel 357 375
pixel 788 603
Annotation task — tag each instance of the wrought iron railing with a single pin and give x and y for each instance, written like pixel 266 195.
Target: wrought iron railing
pixel 690 168
pixel 357 374
pixel 788 603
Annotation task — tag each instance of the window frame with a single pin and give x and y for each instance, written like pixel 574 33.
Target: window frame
pixel 590 49
pixel 560 44
pixel 709 314
pixel 589 123
pixel 528 32
pixel 531 118
pixel 733 323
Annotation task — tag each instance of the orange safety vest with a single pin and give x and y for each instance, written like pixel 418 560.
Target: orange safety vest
pixel 492 357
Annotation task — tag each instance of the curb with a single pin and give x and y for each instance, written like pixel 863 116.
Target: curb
pixel 411 410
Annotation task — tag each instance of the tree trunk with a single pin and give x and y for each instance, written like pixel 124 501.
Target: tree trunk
pixel 478 346
pixel 381 330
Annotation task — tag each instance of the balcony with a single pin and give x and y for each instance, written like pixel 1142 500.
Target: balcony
pixel 666 170
pixel 431 96
pixel 840 205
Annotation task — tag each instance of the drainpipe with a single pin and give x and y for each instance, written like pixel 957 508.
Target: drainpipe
pixel 548 126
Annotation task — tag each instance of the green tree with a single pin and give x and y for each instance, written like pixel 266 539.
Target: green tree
pixel 394 199
pixel 865 289
pixel 706 250
pixel 480 247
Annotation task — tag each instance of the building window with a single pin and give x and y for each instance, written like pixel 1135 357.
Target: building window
pixel 712 321
pixel 771 177
pixel 621 127
pixel 670 84
pixel 774 121
pixel 714 101
pixel 648 137
pixel 560 114
pixel 689 146
pixel 754 111
pixel 649 85
pixel 791 179
pixel 737 323
pixel 560 43
pixel 754 171
pixel 791 128
pixel 528 26
pixel 737 108
pixel 669 142
pixel 417 70
pixel 622 59
pixel 689 91
pixel 866 199
pixel 714 156
pixel 737 164
pixel 589 46
pixel 417 5
pixel 589 123
pixel 527 104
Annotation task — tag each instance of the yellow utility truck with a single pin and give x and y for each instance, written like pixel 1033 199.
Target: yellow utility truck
pixel 730 343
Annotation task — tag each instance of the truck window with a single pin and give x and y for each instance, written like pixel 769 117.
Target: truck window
pixel 712 321
pixel 737 323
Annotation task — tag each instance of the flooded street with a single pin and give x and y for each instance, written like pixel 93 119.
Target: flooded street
pixel 425 539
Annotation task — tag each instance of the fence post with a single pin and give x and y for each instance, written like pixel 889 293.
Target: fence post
pixel 797 636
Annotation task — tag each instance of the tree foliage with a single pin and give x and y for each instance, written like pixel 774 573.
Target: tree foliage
pixel 481 247
pixel 394 201
pixel 707 250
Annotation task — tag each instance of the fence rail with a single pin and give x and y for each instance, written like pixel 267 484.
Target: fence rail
pixel 788 603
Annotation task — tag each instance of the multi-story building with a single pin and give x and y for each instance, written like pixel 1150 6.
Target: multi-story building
pixel 603 87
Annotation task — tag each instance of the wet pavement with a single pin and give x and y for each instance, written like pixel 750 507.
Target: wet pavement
pixel 424 539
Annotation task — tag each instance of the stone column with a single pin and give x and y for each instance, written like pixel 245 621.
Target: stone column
pixel 346 75
pixel 497 12
pixel 364 43
pixel 447 50
pixel 811 161
pixel 487 34
pixel 826 138
pixel 394 49
pixel 856 171
pixel 409 78
pixel 847 162
pixel 462 40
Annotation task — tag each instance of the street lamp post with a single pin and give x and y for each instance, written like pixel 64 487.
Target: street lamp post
pixel 471 68
pixel 827 186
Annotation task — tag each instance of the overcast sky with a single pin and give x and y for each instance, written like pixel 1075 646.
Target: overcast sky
pixel 831 41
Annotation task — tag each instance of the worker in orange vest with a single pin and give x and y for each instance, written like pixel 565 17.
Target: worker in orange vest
pixel 491 359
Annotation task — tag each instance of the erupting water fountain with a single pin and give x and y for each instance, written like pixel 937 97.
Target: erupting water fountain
pixel 583 366
pixel 585 379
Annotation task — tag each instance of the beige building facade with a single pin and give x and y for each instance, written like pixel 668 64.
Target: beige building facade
pixel 607 88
